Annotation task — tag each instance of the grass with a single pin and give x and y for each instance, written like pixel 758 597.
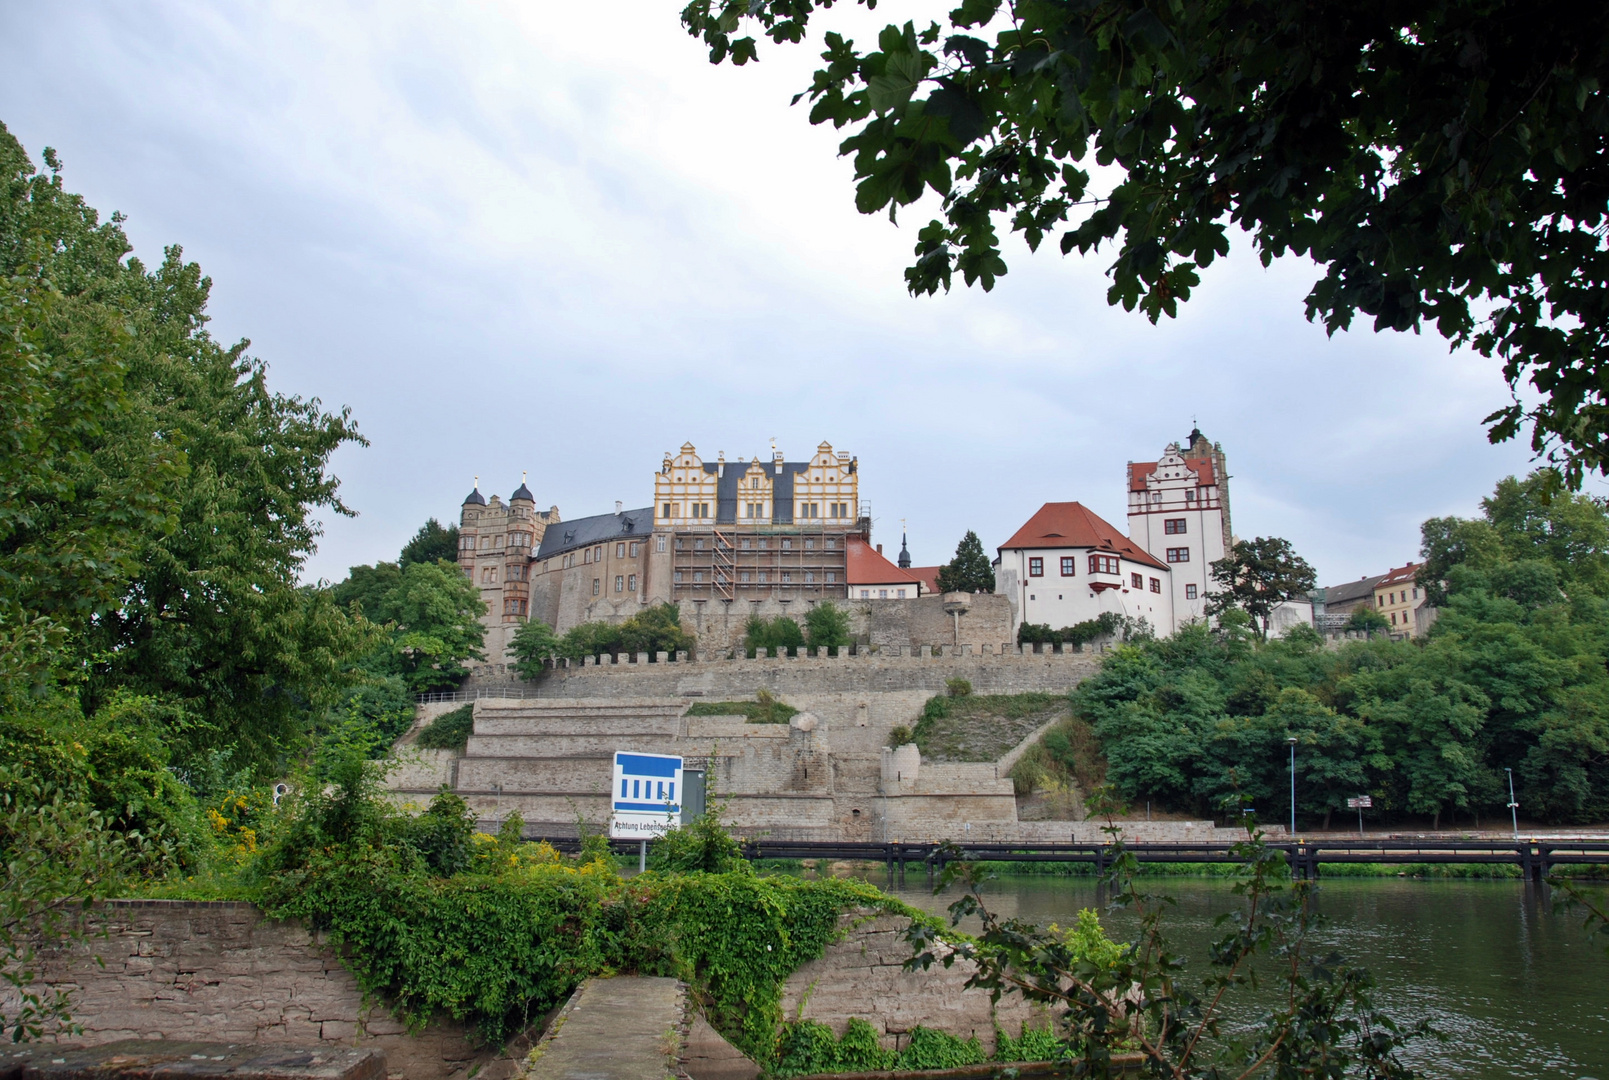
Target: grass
pixel 449 731
pixel 1059 768
pixel 765 709
pixel 984 727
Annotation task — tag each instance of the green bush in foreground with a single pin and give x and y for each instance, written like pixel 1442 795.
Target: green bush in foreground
pixel 434 917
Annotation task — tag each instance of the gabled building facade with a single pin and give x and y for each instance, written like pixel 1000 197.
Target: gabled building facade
pixel 1179 513
pixel 756 530
pixel 1067 565
pixel 872 577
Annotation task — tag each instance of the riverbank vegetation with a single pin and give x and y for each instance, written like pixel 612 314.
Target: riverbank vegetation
pixel 1512 675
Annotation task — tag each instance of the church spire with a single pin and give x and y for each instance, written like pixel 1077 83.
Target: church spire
pixel 904 553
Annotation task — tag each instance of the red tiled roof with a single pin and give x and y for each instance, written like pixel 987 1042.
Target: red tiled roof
pixel 927 575
pixel 1139 470
pixel 1401 576
pixel 1074 525
pixel 867 566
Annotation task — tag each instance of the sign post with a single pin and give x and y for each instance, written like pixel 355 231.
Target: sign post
pixel 1359 804
pixel 645 799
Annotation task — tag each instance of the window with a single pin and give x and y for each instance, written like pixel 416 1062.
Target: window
pixel 832 577
pixel 1178 554
pixel 1176 526
pixel 620 551
pixel 882 594
pixel 631 583
pixel 755 483
pixel 1103 564
pixel 698 545
pixel 901 594
pixel 746 543
pixel 1393 618
pixel 664 510
pixel 762 543
pixel 743 577
pixel 678 577
pixel 634 548
pixel 765 576
pixel 1416 592
pixel 1069 566
pixel 1136 581
pixel 810 543
pixel 620 583
pixel 465 542
pixel 698 576
pixel 720 577
pixel 1190 496
pixel 1036 567
pixel 810 577
pixel 596 585
pixel 1189 592
pixel 488 576
pixel 787 545
pixel 1156 585
pixel 865 594
pixel 831 543
pixel 787 578
pixel 597 554
pixel 659 543
pixel 1156 496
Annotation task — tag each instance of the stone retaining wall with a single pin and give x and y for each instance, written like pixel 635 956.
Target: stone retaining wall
pixel 990 669
pixel 863 975
pixel 221 972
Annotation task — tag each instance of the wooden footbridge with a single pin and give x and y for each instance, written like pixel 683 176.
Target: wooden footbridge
pixel 1536 859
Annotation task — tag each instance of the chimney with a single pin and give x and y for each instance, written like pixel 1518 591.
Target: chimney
pixel 720 464
pixel 879 549
pixel 618 505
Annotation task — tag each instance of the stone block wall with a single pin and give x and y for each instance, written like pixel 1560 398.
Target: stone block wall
pixel 863 975
pixel 988 669
pixel 221 972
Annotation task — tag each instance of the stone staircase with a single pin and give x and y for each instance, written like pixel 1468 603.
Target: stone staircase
pixel 550 760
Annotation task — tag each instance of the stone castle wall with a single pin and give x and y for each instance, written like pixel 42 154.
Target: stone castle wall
pixel 222 972
pixel 998 669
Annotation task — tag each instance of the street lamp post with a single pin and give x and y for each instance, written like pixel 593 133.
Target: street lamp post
pixel 1513 806
pixel 1291 741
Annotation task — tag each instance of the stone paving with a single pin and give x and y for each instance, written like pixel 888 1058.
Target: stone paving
pixel 615 1029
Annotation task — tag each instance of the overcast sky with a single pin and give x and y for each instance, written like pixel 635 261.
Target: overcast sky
pixel 552 238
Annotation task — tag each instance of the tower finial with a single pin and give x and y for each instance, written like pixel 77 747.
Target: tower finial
pixel 477 483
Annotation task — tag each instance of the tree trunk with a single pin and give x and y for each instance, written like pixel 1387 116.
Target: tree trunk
pixel 1435 821
pixel 1328 810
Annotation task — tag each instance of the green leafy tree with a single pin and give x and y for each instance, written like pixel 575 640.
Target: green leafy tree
pixel 777 634
pixel 433 615
pixel 534 645
pixel 656 628
pixel 1442 164
pixel 827 627
pixel 367 587
pixel 1366 620
pixel 431 543
pixel 158 498
pixel 1257 576
pixel 969 571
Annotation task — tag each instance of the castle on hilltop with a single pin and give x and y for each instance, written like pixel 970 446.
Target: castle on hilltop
pixel 770 532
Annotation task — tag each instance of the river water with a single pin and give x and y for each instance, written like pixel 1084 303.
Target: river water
pixel 1518 990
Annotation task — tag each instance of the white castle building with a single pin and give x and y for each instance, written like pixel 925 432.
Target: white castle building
pixel 1067 565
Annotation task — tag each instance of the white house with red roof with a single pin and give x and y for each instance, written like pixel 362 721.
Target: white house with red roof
pixel 873 577
pixel 1067 565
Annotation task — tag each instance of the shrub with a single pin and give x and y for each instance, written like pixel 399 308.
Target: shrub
pixel 899 735
pixel 827 626
pixel 780 632
pixel 957 687
pixel 449 731
pixel 765 709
